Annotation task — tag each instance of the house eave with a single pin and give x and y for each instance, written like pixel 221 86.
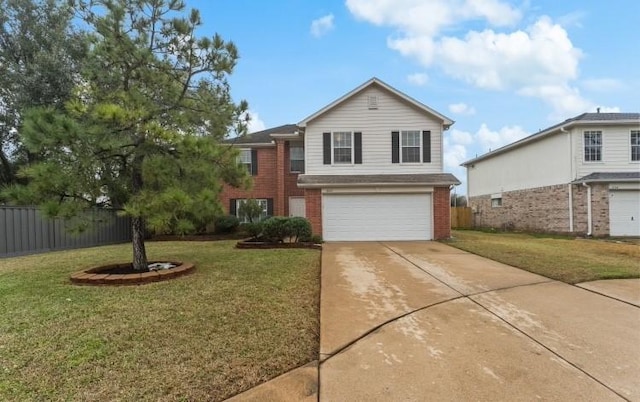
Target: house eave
pixel 348 185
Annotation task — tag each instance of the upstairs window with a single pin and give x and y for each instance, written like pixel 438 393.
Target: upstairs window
pixel 342 147
pixel 635 145
pixel 593 146
pixel 249 159
pixel 296 158
pixel 411 147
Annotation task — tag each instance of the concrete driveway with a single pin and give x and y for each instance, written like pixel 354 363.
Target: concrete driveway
pixel 414 321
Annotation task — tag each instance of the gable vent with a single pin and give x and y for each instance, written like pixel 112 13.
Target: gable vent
pixel 372 102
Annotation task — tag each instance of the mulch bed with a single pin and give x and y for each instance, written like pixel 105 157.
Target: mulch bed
pixel 203 237
pixel 123 274
pixel 249 244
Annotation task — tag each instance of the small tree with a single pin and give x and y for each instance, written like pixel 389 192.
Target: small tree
pixel 251 210
pixel 143 132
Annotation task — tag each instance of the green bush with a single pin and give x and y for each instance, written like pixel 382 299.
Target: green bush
pixel 316 239
pixel 299 229
pixel 275 229
pixel 252 229
pixel 226 224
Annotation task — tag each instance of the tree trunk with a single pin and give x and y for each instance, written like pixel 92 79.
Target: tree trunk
pixel 139 250
pixel 137 222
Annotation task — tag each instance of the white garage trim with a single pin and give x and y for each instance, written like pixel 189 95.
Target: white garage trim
pixel 377 216
pixel 624 213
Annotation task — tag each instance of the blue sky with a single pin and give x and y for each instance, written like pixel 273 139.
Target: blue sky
pixel 501 69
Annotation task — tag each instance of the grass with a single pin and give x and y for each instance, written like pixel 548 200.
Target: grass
pixel 243 317
pixel 566 259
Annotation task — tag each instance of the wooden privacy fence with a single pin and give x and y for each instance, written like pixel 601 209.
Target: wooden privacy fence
pixel 23 230
pixel 461 218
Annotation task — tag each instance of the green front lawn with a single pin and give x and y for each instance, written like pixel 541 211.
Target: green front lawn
pixel 243 317
pixel 565 259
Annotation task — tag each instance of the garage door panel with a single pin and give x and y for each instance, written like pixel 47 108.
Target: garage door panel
pixel 377 216
pixel 624 213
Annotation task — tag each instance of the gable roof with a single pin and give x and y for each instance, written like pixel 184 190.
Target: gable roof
pixel 583 119
pixel 375 81
pixel 264 136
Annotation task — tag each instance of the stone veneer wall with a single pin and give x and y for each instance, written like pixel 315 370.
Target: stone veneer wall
pixel 545 209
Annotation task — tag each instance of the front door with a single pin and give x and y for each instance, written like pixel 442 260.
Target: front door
pixel 296 206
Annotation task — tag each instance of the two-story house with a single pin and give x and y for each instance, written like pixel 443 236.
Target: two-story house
pixel 581 175
pixel 368 166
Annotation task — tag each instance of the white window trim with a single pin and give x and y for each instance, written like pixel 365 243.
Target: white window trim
pixel 250 164
pixel 420 148
pixel 333 162
pixel 631 146
pixel 584 159
pixel 496 197
pixel 297 145
pixel 260 200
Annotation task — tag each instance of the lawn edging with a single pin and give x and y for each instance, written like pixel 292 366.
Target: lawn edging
pixel 95 275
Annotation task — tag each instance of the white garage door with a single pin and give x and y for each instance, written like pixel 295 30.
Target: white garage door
pixel 624 213
pixel 377 216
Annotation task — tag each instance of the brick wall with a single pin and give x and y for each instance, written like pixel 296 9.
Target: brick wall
pixel 545 209
pixel 273 163
pixel 313 206
pixel 441 213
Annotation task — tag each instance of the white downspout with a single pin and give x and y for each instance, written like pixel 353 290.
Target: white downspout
pixel 570 208
pixel 588 208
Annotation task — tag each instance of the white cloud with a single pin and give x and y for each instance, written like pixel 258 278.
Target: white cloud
pixel 490 140
pixel 462 108
pixel 602 84
pixel 461 137
pixel 255 123
pixel 418 79
pixel 322 25
pixel 537 60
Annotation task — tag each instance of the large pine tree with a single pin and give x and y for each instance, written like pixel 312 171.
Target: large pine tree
pixel 142 133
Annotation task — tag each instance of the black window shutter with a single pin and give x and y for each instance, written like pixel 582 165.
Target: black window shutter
pixel 426 146
pixel 326 148
pixel 357 142
pixel 269 206
pixel 232 206
pixel 395 147
pixel 254 162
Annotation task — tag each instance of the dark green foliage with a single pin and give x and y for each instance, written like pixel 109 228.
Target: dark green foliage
pixel 252 229
pixel 41 56
pixel 316 239
pixel 299 229
pixel 275 229
pixel 226 224
pixel 142 132
pixel 250 210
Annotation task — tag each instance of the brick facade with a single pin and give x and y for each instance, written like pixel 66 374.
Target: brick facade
pixel 313 206
pixel 441 213
pixel 274 180
pixel 545 209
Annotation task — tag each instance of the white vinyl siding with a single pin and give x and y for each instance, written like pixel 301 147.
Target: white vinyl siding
pixel 616 151
pixel 376 125
pixel 366 217
pixel 539 164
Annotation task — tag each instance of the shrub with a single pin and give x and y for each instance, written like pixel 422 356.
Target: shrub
pixel 275 229
pixel 252 229
pixel 226 224
pixel 299 229
pixel 316 239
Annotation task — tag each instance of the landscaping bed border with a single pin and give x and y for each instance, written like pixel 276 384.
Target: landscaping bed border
pixel 93 276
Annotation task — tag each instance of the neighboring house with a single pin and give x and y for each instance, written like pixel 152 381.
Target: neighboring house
pixel 368 166
pixel 579 176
